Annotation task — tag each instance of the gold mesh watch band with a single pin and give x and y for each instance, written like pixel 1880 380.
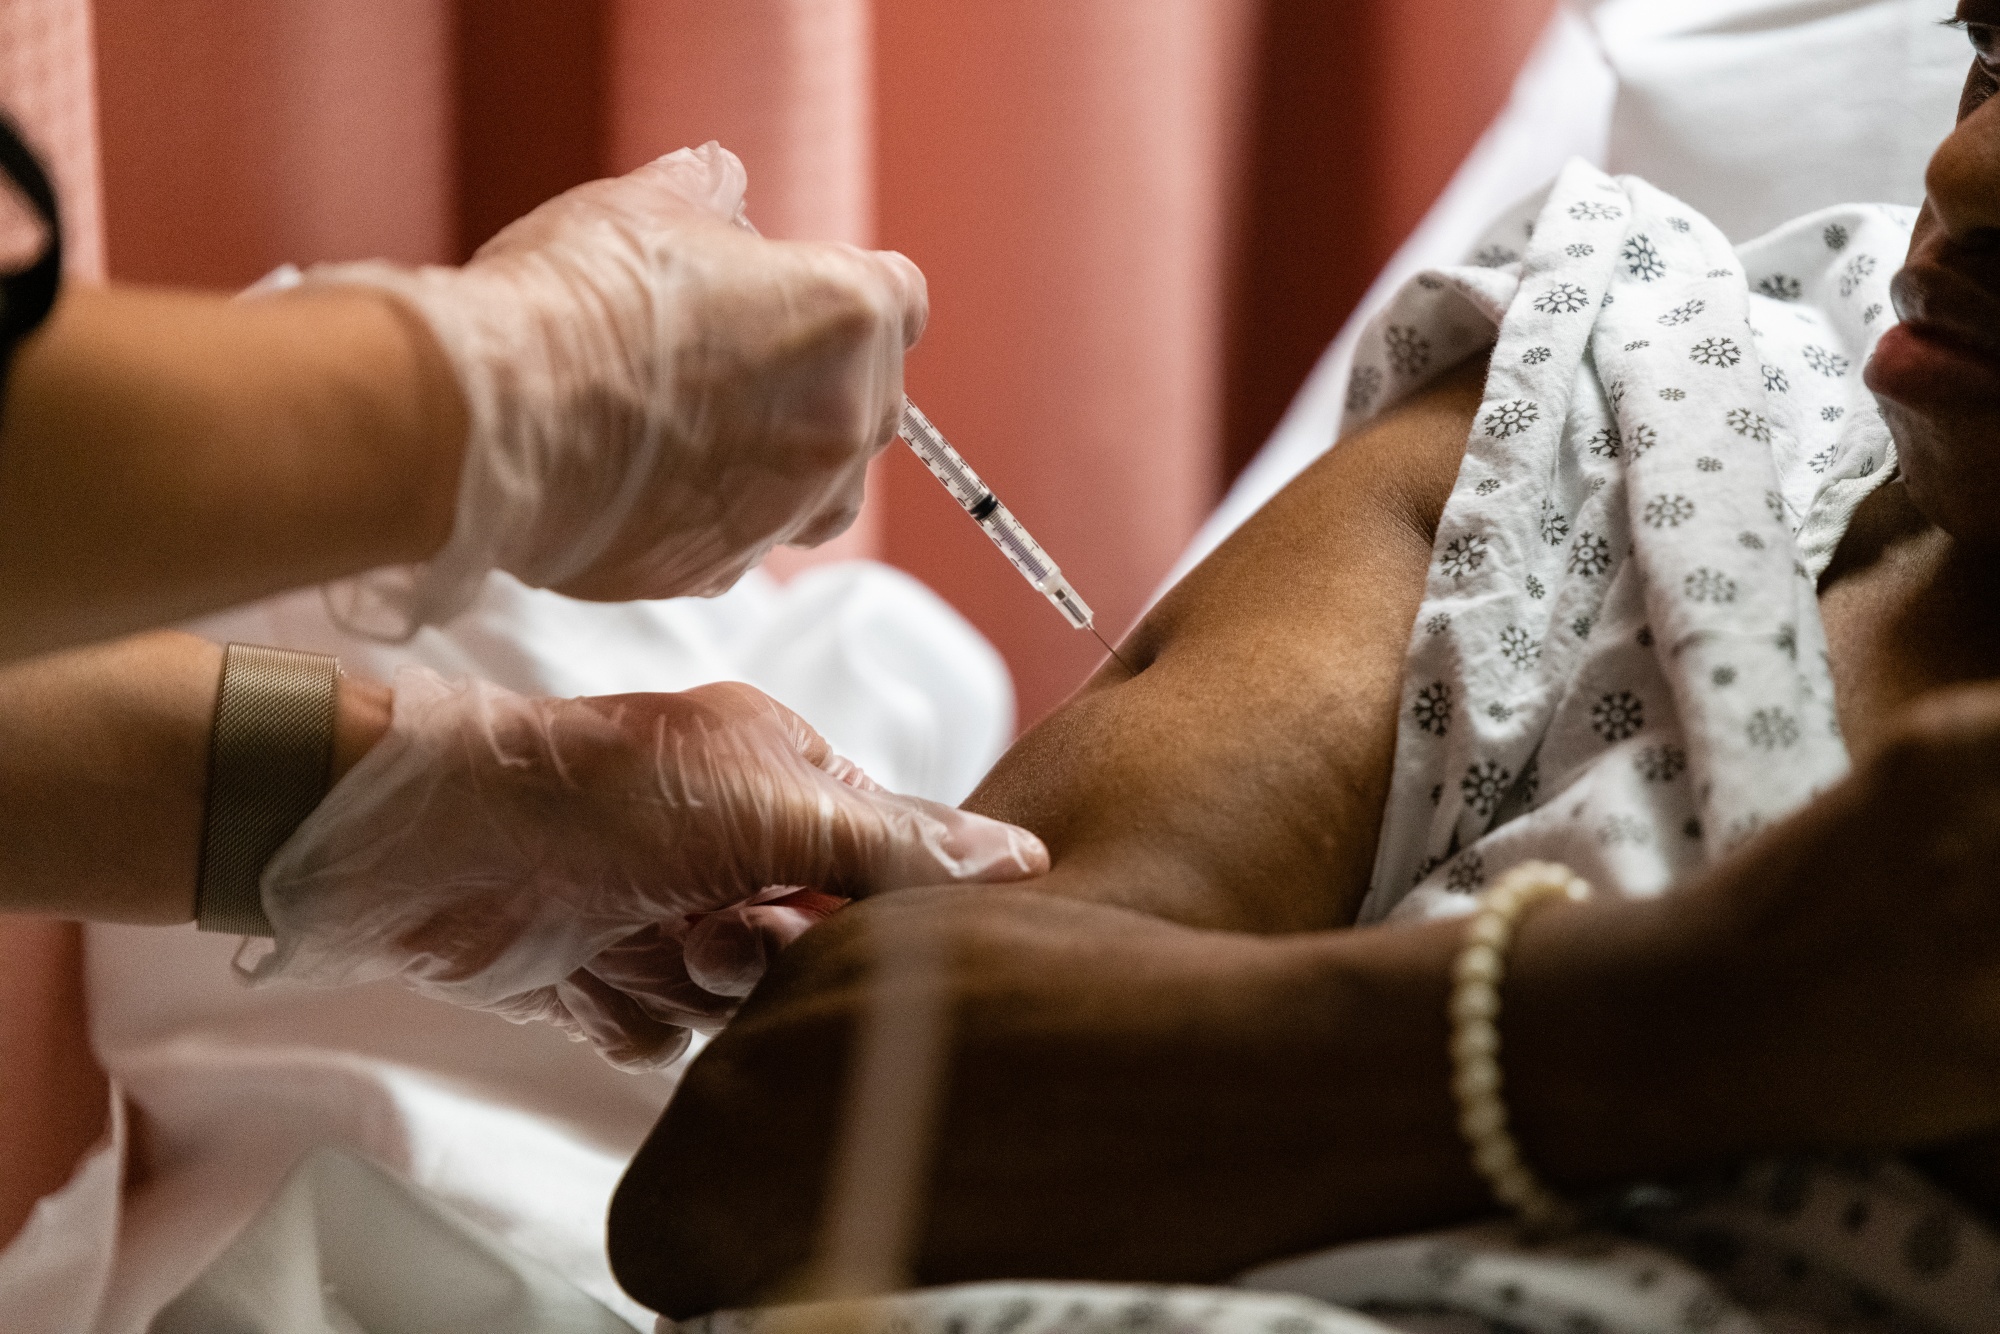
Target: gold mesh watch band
pixel 268 763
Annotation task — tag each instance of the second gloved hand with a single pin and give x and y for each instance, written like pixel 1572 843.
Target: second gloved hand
pixel 621 865
pixel 656 395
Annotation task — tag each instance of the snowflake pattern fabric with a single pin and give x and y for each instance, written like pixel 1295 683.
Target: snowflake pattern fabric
pixel 1046 1308
pixel 1673 472
pixel 1642 635
pixel 1784 1247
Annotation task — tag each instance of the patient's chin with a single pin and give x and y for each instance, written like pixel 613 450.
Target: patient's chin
pixel 1950 464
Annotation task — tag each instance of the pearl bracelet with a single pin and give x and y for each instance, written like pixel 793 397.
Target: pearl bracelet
pixel 1475 1039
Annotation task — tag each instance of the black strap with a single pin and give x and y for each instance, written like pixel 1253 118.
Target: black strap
pixel 27 296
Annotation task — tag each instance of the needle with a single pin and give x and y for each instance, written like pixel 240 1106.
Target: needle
pixel 1113 652
pixel 984 508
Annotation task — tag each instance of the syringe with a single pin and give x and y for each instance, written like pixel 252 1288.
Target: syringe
pixel 977 500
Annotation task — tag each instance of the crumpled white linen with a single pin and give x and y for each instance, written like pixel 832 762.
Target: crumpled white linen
pixel 171 1199
pixel 344 1246
pixel 513 1128
pixel 59 1262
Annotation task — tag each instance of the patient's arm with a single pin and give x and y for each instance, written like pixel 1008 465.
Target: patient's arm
pixel 1133 1096
pixel 1235 783
pixel 1238 780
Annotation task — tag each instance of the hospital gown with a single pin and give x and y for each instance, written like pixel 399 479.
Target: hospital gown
pixel 1618 664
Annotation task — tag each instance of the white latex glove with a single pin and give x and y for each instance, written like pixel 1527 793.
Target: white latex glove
pixel 622 866
pixel 657 395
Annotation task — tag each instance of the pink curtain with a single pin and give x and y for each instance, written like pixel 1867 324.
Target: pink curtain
pixel 1335 171
pixel 1141 219
pixel 239 134
pixel 1062 173
pixel 784 83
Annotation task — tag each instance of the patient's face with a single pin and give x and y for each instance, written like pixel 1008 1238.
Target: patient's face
pixel 1938 372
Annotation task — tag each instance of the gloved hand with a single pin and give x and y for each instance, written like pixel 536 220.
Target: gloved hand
pixel 657 395
pixel 621 866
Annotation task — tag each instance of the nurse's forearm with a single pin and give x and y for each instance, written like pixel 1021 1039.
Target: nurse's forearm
pixel 104 770
pixel 168 453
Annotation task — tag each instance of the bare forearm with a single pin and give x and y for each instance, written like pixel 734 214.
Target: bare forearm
pixel 1269 1096
pixel 103 773
pixel 164 454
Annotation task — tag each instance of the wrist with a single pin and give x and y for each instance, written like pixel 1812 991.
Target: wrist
pixel 439 424
pixel 1627 1048
pixel 385 388
pixel 361 713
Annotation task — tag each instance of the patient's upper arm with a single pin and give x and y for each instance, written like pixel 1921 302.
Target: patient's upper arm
pixel 1238 780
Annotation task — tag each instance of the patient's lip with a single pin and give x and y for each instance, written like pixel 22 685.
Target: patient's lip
pixel 1947 349
pixel 1951 305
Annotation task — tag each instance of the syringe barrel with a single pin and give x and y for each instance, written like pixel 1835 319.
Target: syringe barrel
pixel 1014 543
pixel 972 495
pixel 945 463
pixel 1027 556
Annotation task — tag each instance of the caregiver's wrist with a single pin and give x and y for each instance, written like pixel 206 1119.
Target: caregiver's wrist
pixel 441 424
pixel 401 415
pixel 361 713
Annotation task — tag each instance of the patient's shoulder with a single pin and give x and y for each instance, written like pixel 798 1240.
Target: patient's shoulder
pixel 1412 453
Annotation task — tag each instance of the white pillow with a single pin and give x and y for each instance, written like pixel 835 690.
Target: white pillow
pixel 1755 111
